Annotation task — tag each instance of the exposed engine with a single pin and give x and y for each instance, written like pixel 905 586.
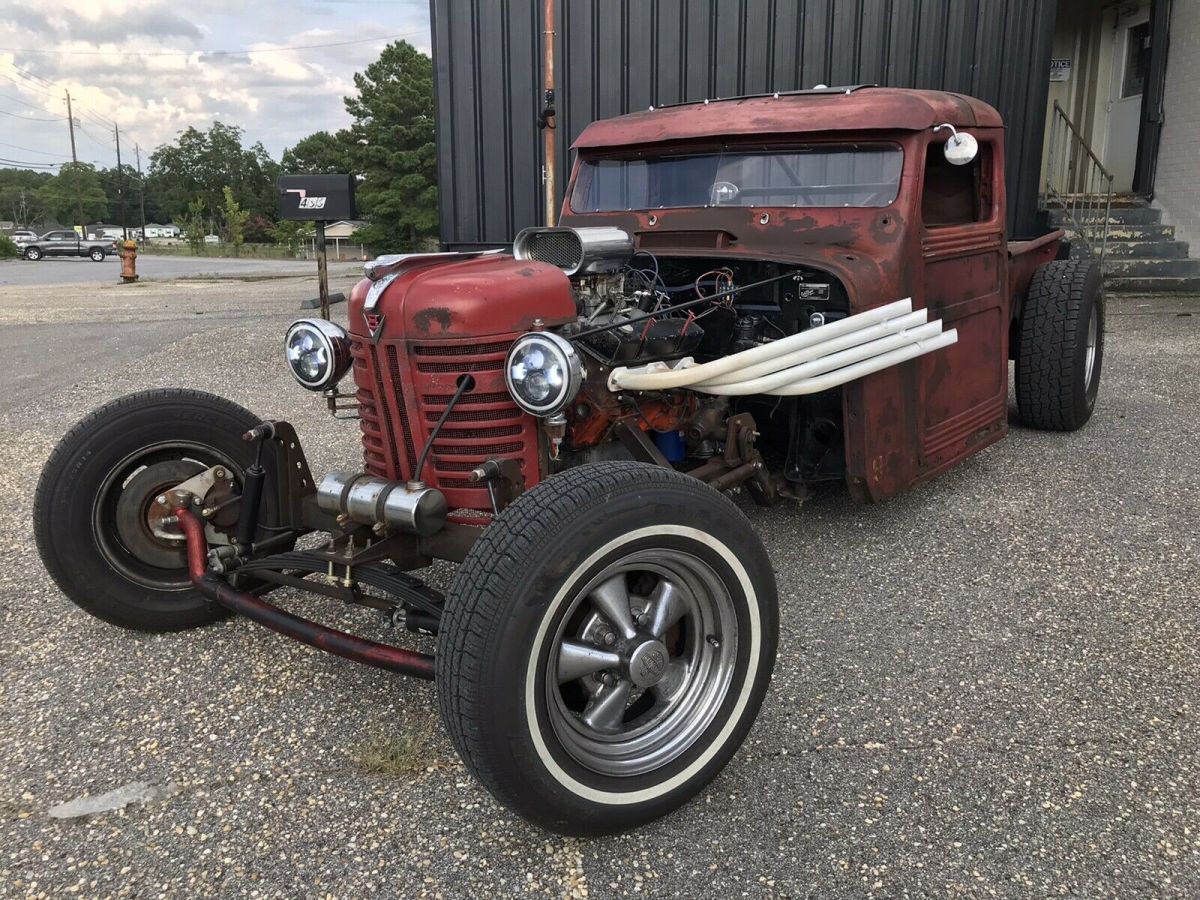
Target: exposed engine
pixel 629 316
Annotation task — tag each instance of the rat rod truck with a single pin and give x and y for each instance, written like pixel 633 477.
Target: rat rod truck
pixel 763 292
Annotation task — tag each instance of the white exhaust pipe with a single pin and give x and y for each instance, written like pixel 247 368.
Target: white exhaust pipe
pixel 804 363
pixel 859 370
pixel 768 384
pixel 660 376
pixel 817 351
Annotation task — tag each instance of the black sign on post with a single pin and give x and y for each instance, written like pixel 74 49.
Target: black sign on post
pixel 318 199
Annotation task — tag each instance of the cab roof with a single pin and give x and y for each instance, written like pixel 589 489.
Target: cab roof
pixel 853 108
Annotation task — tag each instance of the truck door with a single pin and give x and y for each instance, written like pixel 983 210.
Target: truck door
pixel 963 389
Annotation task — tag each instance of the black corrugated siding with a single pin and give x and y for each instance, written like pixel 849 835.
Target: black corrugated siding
pixel 620 55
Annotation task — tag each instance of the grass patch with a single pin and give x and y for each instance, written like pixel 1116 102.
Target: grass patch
pixel 404 755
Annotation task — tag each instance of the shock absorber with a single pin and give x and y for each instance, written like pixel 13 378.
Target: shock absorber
pixel 252 490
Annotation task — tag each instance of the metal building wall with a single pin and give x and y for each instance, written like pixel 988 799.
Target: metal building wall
pixel 614 56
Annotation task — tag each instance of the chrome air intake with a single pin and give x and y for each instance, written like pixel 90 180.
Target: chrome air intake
pixel 577 251
pixel 370 500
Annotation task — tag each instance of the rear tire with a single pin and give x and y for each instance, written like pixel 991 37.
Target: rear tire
pixel 1060 348
pixel 89 510
pixel 97 255
pixel 606 646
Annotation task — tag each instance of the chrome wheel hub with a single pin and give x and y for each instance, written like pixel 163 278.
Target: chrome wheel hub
pixel 647 664
pixel 642 661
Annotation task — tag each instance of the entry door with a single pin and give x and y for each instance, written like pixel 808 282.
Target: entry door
pixel 1130 64
pixel 963 388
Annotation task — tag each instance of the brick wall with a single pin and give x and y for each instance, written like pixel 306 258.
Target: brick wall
pixel 1177 182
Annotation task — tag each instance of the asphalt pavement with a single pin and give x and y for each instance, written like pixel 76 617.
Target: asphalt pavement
pixel 58 334
pixel 987 687
pixel 76 270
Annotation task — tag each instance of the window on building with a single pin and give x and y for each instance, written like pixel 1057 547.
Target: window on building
pixel 1137 59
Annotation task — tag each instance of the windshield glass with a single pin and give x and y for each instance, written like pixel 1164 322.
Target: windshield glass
pixel 815 175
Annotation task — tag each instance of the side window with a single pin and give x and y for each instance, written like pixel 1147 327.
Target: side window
pixel 956 195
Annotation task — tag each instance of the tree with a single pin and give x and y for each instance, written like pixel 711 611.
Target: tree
pixel 394 149
pixel 290 233
pixel 235 221
pixel 58 195
pixel 20 198
pixel 111 180
pixel 192 224
pixel 200 165
pixel 259 230
pixel 321 153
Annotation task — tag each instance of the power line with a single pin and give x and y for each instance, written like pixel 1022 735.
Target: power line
pixel 25 118
pixel 23 102
pixel 385 37
pixel 27 83
pixel 30 165
pixel 31 150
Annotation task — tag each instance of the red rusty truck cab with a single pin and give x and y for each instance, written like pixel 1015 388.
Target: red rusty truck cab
pixel 761 293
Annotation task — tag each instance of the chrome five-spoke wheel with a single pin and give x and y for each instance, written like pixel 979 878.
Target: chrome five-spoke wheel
pixel 644 659
pixel 606 646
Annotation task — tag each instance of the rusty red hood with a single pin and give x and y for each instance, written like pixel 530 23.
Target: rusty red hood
pixel 450 298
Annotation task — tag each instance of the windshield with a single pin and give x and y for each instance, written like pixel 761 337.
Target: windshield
pixel 815 175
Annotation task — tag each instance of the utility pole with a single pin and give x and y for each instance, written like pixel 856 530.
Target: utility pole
pixel 75 165
pixel 547 118
pixel 121 183
pixel 137 152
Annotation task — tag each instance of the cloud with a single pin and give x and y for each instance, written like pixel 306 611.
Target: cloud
pixel 277 97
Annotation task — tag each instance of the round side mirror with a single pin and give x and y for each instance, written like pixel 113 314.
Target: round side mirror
pixel 961 149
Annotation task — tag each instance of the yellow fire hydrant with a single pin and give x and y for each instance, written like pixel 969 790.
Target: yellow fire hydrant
pixel 129 262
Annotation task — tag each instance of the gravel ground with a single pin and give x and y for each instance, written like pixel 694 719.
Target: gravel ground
pixel 986 687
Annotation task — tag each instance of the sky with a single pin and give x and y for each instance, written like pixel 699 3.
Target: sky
pixel 157 67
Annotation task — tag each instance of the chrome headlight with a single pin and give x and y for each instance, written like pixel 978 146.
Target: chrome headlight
pixel 318 353
pixel 543 372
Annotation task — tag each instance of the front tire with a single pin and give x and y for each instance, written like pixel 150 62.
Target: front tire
pixel 94 502
pixel 33 254
pixel 1060 346
pixel 606 646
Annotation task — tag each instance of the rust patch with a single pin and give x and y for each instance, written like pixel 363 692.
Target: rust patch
pixel 435 315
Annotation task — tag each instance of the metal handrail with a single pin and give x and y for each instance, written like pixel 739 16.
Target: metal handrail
pixel 1080 185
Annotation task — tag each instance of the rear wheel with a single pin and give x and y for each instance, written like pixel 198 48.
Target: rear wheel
pixel 33 253
pixel 1060 348
pixel 97 254
pixel 99 528
pixel 606 646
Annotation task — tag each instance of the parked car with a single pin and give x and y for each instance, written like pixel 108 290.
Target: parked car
pixel 763 293
pixel 67 243
pixel 23 237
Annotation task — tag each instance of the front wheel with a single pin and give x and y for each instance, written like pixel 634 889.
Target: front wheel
pixel 100 530
pixel 33 254
pixel 607 645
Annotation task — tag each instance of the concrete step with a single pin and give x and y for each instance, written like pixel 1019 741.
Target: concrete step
pixel 1143 285
pixel 1158 268
pixel 1136 215
pixel 1138 249
pixel 1136 233
pixel 1119 201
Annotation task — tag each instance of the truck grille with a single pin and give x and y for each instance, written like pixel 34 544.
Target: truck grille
pixel 403 389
